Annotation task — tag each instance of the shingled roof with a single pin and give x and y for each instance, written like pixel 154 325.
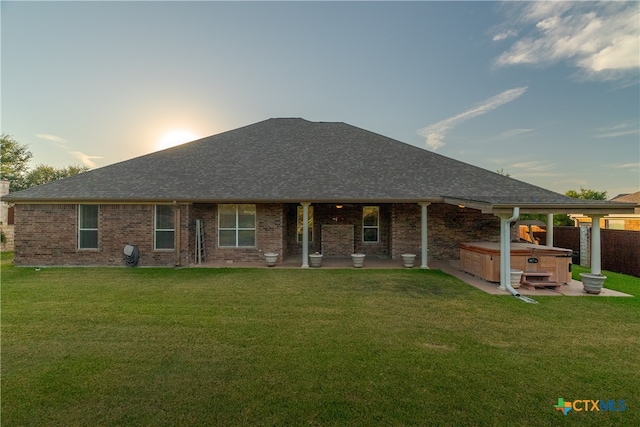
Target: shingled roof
pixel 293 160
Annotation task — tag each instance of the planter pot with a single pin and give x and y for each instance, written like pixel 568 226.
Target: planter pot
pixel 592 283
pixel 516 275
pixel 271 258
pixel 315 260
pixel 358 260
pixel 408 260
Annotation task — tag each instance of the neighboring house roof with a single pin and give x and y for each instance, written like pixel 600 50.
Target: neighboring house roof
pixel 632 198
pixel 629 198
pixel 294 160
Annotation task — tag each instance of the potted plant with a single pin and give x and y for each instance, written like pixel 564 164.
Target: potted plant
pixel 408 260
pixel 271 258
pixel 592 283
pixel 358 260
pixel 516 275
pixel 315 259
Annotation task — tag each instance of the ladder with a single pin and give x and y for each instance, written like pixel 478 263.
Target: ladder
pixel 199 241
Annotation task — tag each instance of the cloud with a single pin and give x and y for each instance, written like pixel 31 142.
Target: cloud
pixel 84 158
pixel 631 166
pixel 435 133
pixel 64 144
pixel 57 141
pixel 504 35
pixel 512 133
pixel 535 166
pixel 601 39
pixel 51 138
pixel 622 129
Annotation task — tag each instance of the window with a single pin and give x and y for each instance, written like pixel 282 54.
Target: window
pixel 236 226
pixel 615 224
pixel 164 227
pixel 370 223
pixel 300 223
pixel 88 227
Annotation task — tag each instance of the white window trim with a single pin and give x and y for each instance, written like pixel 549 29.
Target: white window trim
pixel 155 231
pixel 237 227
pixel 81 229
pixel 377 226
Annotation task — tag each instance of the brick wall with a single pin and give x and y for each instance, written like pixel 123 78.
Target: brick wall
pixel 337 240
pixel 47 235
pixel 450 225
pixel 447 227
pixel 8 233
pixel 329 214
pixel 270 221
pixel 406 220
pixel 632 224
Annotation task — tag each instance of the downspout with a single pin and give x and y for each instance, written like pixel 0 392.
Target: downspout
pixel 505 251
pixel 505 255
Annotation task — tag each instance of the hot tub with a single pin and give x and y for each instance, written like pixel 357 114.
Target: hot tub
pixel 482 259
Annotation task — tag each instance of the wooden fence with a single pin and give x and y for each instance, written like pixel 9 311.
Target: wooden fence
pixel 620 249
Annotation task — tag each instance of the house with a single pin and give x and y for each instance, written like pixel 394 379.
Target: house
pixel 616 221
pixel 284 185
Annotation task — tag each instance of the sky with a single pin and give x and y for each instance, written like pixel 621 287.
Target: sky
pixel 547 92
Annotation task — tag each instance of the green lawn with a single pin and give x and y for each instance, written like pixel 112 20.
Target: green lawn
pixel 165 347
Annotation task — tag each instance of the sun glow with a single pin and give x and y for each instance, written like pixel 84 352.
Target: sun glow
pixel 175 137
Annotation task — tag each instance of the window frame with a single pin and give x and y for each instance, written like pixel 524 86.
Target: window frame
pixel 82 229
pixel 371 227
pixel 299 224
pixel 237 228
pixel 156 230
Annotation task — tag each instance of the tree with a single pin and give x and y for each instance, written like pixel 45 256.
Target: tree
pixel 565 220
pixel 15 162
pixel 584 193
pixel 15 167
pixel 45 173
pixel 587 193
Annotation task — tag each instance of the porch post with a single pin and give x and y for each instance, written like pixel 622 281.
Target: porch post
pixel 595 244
pixel 550 230
pixel 305 234
pixel 423 229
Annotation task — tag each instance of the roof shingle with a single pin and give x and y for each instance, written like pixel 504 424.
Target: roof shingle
pixel 291 159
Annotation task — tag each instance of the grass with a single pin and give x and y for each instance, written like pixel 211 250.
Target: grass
pixel 259 347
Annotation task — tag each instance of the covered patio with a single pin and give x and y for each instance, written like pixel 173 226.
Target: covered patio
pixel 451 267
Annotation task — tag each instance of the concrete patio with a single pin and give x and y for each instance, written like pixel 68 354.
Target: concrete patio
pixel 451 267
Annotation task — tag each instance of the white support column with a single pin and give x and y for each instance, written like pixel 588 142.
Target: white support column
pixel 424 241
pixel 595 244
pixel 550 230
pixel 305 234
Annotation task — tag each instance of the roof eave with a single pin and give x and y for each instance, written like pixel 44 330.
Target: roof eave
pixel 605 208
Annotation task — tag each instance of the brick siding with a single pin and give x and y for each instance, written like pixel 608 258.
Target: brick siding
pixel 46 234
pixel 447 227
pixel 337 240
pixel 8 233
pixel 270 222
